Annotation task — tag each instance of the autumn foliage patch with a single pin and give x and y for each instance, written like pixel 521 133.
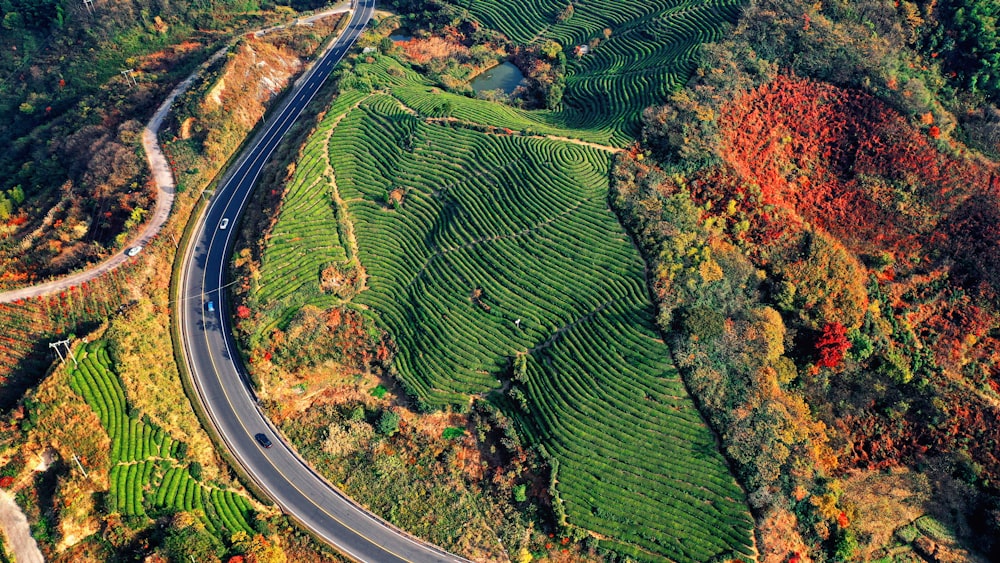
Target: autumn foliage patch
pixel 832 345
pixel 846 162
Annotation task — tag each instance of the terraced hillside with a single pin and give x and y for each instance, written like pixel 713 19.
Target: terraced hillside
pixel 649 53
pixel 482 245
pixel 148 475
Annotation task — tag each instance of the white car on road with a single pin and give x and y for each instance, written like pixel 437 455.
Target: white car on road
pixel 133 251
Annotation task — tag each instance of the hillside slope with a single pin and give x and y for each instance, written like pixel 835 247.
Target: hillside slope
pixel 493 264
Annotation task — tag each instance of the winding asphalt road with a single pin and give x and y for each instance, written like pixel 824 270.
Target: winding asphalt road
pixel 162 177
pixel 216 369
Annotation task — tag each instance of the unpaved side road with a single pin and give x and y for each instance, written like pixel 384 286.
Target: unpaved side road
pixel 162 176
pixel 17 532
pixel 165 190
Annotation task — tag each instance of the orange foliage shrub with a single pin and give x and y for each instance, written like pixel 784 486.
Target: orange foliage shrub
pixel 421 51
pixel 796 152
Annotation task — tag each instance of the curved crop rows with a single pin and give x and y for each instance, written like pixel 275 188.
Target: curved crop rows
pixel 413 90
pixel 649 53
pixel 148 474
pixel 504 245
pixel 298 251
pixel 641 63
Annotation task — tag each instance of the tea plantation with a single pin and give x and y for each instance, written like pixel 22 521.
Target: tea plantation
pixel 648 53
pixel 148 475
pixel 482 244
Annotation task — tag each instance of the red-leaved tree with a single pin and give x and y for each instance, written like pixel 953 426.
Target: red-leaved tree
pixel 832 345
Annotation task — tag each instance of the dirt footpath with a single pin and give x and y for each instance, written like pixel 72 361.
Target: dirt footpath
pixel 17 532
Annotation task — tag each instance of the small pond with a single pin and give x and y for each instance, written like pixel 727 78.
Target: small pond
pixel 505 77
pixel 399 37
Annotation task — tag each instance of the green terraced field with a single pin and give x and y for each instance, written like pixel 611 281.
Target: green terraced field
pixel 525 220
pixel 650 52
pixel 147 474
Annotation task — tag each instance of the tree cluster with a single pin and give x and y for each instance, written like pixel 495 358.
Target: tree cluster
pixel 824 172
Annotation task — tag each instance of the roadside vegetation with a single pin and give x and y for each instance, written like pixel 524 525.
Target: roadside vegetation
pixel 74 185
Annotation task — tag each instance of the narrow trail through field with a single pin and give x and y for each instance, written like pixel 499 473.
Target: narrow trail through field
pixel 466 123
pixel 162 177
pixel 352 239
pixel 560 138
pixel 569 326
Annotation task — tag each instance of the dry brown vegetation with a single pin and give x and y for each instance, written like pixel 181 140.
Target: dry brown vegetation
pixel 421 51
pixel 69 426
pixel 143 354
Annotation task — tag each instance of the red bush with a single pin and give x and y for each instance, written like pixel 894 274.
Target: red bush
pixel 832 345
pixel 243 312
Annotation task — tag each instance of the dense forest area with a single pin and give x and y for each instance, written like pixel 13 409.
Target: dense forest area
pixel 73 180
pixel 824 249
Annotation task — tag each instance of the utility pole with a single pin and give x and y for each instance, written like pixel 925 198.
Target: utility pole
pixel 130 76
pixel 80 465
pixel 69 352
pixel 90 6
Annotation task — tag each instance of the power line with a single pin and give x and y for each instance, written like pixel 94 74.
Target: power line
pixel 130 77
pixel 80 465
pixel 65 342
pixel 197 295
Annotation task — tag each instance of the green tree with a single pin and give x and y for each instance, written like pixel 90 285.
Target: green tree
pixel 551 49
pixel 17 194
pixel 702 322
pixel 13 21
pixel 846 546
pixel 388 423
pixel 969 40
pixel 861 346
pixel 520 493
pixel 187 540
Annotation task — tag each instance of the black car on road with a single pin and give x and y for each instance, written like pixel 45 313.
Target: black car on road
pixel 263 440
